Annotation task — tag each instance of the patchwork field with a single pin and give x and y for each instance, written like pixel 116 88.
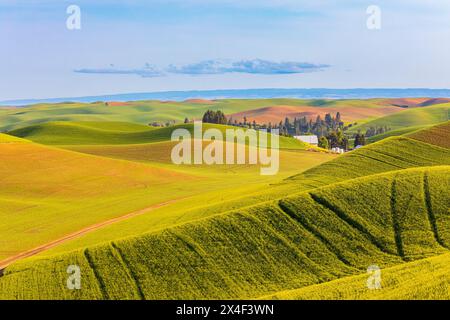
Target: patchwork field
pixel 437 135
pixel 93 185
pixel 414 117
pixel 349 112
pixel 298 241
pixel 144 112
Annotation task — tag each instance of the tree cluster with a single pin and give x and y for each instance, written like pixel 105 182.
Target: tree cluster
pixel 211 116
pixel 373 131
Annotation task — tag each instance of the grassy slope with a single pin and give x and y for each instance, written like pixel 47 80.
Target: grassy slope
pixel 437 135
pixel 44 186
pixel 299 241
pixel 440 154
pixel 395 133
pixel 47 192
pixel 90 133
pixel 5 138
pixel 409 118
pixel 143 112
pixel 425 279
pixel 393 153
pixel 388 155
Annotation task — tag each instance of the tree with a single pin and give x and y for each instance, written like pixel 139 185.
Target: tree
pixel 338 118
pixel 286 122
pixel 328 120
pixel 214 117
pixel 186 120
pixel 323 142
pixel 360 139
pixel 333 140
pixel 344 143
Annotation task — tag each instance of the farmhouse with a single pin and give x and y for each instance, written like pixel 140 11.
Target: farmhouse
pixel 312 139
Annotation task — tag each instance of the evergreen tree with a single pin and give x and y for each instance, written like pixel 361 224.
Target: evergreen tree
pixel 328 120
pixel 323 142
pixel 338 118
pixel 214 117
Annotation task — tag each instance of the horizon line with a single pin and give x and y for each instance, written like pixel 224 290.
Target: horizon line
pixel 182 95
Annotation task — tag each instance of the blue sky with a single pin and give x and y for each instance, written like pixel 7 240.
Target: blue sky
pixel 156 45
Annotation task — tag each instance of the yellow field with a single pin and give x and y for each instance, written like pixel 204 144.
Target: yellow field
pixel 47 193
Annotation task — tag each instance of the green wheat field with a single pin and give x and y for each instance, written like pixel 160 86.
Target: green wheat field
pixel 93 185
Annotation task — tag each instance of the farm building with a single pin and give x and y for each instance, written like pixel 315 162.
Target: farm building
pixel 312 139
pixel 337 150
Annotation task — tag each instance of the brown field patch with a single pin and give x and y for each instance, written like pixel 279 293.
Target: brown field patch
pixel 199 101
pixel 275 114
pixel 118 104
pixel 415 102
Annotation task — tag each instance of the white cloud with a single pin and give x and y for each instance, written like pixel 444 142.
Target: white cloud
pixel 255 66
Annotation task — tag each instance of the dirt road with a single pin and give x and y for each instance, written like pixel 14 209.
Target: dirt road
pixel 77 234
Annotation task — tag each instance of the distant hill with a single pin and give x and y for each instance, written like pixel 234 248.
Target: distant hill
pixel 414 117
pixel 110 133
pixel 416 102
pixel 350 110
pixel 264 93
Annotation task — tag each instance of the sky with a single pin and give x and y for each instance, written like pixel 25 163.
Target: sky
pixel 156 45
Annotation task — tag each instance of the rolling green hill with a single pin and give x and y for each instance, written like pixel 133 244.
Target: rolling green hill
pixel 91 133
pixel 394 153
pixel 425 279
pixel 144 112
pixel 46 193
pixel 296 242
pixel 383 204
pixel 409 118
pixel 5 138
pixel 388 155
pixel 395 133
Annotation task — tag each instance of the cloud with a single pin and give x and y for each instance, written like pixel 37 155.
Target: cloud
pixel 256 66
pixel 208 67
pixel 146 72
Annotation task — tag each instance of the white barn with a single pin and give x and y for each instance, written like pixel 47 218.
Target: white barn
pixel 312 139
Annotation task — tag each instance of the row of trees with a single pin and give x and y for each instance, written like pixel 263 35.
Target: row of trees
pixel 360 139
pixel 299 126
pixel 330 129
pixel 320 127
pixel 373 131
